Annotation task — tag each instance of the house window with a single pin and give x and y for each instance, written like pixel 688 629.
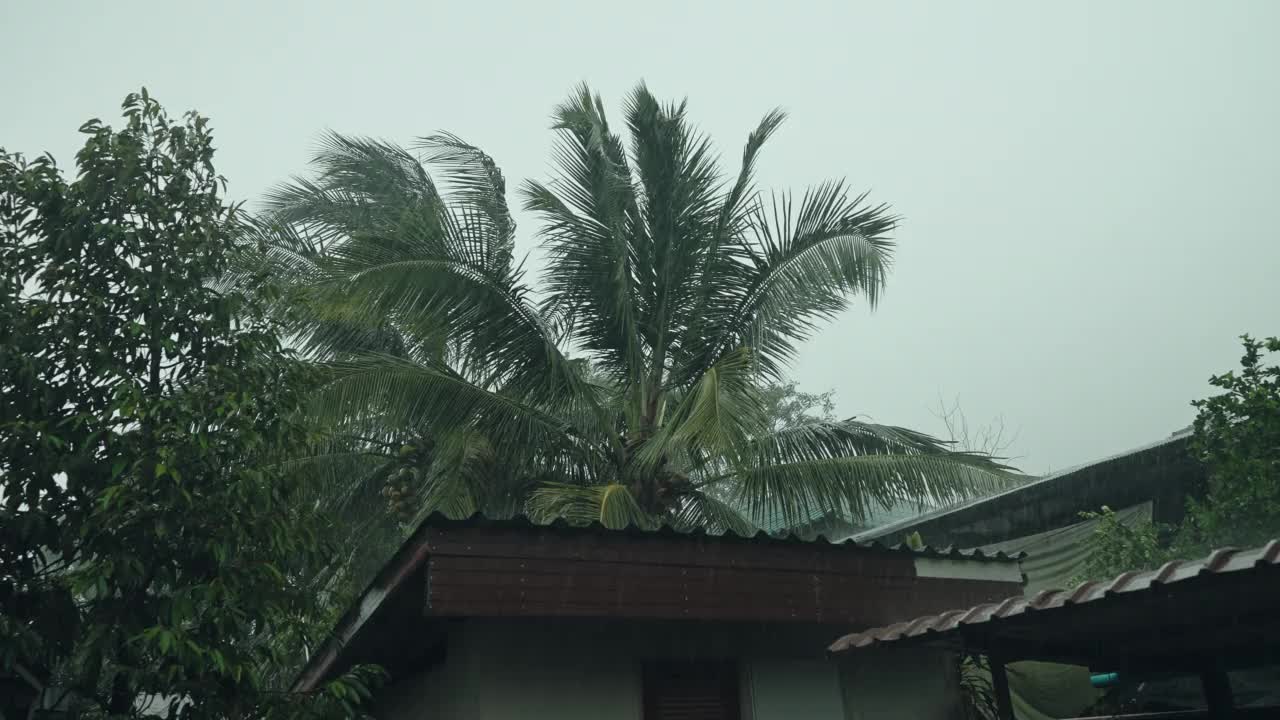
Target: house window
pixel 691 691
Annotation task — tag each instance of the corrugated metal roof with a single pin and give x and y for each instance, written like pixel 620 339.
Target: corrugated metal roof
pixel 1220 562
pixel 900 526
pixel 876 517
pixel 760 536
pixel 413 552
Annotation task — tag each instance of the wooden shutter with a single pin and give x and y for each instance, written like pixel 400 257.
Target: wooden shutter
pixel 691 691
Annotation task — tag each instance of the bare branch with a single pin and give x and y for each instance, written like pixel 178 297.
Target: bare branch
pixel 990 439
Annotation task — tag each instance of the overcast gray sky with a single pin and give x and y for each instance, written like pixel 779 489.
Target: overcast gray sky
pixel 1089 188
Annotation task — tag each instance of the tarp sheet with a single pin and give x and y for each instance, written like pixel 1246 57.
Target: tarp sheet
pixel 1046 691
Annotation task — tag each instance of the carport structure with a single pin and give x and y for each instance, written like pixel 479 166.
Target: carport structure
pixel 1207 617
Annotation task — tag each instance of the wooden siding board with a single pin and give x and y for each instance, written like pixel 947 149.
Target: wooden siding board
pixel 475 586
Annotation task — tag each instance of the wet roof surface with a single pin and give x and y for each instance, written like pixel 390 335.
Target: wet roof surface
pixel 899 526
pixel 1223 562
pixel 760 537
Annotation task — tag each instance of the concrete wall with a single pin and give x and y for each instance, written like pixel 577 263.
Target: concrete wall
pixel 580 670
pixel 485 677
pixel 895 683
pixel 790 688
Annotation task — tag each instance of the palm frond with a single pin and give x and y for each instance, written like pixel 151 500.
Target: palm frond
pixel 589 215
pixel 717 417
pixel 679 201
pixel 853 467
pixel 340 474
pixel 700 510
pixel 726 271
pixel 611 505
pixel 352 172
pixel 737 206
pixel 391 267
pixel 384 391
pixel 476 183
pixel 471 473
pixel 461 470
pixel 805 262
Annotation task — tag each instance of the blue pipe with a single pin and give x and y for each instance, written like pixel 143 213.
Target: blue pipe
pixel 1101 680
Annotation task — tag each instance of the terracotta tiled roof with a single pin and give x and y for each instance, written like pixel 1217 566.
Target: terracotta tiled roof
pixel 1219 562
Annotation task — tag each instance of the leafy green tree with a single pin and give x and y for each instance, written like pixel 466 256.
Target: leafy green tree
pixel 785 406
pixel 1117 547
pixel 146 545
pixel 1237 437
pixel 630 386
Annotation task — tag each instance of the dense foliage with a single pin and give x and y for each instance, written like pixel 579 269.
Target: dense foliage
pixel 147 544
pixel 786 406
pixel 631 386
pixel 1118 546
pixel 1237 437
pixel 977 691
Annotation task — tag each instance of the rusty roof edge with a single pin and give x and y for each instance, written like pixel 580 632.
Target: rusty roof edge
pixel 1224 561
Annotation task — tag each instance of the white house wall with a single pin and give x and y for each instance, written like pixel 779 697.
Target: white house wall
pixel 898 683
pixel 504 670
pixel 790 688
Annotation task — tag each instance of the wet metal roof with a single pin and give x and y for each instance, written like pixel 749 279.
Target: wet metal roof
pixel 760 537
pixel 514 567
pixel 897 528
pixel 1230 588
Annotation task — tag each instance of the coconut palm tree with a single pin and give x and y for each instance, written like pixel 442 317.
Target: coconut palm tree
pixel 628 388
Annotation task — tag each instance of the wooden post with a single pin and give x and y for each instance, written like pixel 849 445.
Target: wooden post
pixel 1000 683
pixel 1217 693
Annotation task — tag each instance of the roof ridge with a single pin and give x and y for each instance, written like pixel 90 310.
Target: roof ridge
pixel 666 529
